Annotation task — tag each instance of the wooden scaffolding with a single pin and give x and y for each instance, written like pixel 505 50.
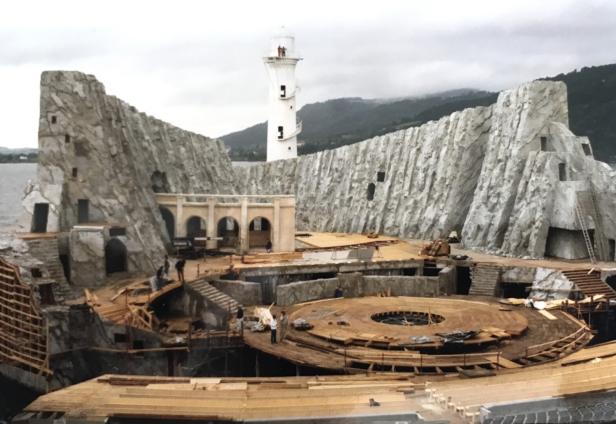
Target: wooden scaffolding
pixel 23 331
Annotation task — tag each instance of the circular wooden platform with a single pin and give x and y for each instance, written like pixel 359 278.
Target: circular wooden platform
pixel 346 338
pixel 352 321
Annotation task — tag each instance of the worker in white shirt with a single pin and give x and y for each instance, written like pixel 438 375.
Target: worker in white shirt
pixel 273 327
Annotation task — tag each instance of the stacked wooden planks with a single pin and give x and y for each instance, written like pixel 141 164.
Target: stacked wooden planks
pixel 231 398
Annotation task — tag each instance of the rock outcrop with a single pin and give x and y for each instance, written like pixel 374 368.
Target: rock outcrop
pixel 101 161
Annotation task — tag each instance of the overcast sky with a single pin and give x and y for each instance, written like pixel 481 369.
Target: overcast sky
pixel 197 64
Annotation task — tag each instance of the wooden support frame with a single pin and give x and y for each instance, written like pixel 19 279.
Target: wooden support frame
pixel 23 331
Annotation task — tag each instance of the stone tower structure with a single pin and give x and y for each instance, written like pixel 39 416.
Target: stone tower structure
pixel 282 127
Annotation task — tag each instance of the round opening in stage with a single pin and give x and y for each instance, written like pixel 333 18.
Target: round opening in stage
pixel 407 318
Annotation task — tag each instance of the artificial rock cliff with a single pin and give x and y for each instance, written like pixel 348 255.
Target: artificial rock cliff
pixel 506 176
pixel 97 150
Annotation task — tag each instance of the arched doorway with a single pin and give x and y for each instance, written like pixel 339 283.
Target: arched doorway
pixel 169 222
pixel 115 256
pixel 229 230
pixel 195 227
pixel 259 232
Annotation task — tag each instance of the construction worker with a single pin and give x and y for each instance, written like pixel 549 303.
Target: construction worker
pixel 284 320
pixel 179 267
pixel 240 319
pixel 273 328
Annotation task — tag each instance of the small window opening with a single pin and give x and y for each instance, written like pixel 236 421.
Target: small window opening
pixel 83 211
pixel 371 188
pixel 67 138
pixel 544 144
pixel 289 147
pixel 280 133
pixel 74 172
pixel 283 91
pixel 586 148
pixel 46 293
pixel 562 172
pixel 380 176
pixel 119 338
pixel 54 119
pixel 138 344
pixel 117 231
pixel 291 107
pixel 36 273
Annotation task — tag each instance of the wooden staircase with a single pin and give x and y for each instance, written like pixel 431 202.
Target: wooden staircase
pixel 485 279
pixel 590 284
pixel 553 350
pixel 215 296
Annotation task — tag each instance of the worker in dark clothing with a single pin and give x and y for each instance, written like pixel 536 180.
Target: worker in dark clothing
pixel 338 292
pixel 231 274
pixel 240 319
pixel 268 246
pixel 284 321
pixel 179 268
pixel 166 266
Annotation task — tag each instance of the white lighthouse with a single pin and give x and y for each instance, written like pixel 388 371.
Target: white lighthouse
pixel 282 124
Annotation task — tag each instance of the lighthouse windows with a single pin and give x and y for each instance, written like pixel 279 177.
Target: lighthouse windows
pixel 280 133
pixel 283 91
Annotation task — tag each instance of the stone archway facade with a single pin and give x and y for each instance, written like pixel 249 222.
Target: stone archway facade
pixel 278 210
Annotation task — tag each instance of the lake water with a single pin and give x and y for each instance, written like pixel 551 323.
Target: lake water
pixel 13 179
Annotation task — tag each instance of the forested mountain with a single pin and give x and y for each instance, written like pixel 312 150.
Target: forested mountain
pixel 333 123
pixel 337 122
pixel 592 107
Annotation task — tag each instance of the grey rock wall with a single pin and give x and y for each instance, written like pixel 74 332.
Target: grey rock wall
pixel 95 146
pixel 358 285
pixel 430 173
pixel 504 176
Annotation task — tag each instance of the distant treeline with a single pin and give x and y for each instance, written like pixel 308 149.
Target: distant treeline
pixel 18 158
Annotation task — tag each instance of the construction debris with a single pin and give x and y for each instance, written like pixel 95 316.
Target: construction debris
pixel 302 324
pixel 436 248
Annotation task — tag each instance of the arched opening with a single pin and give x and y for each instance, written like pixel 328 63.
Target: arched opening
pixel 169 222
pixel 115 256
pixel 229 230
pixel 259 232
pixel 195 227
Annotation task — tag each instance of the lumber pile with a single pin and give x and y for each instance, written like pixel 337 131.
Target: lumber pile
pixel 129 305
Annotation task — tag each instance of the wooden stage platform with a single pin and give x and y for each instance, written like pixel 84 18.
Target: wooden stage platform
pixel 345 338
pixel 363 398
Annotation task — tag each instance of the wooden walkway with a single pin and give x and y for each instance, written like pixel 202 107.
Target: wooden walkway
pixel 558 379
pixel 239 399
